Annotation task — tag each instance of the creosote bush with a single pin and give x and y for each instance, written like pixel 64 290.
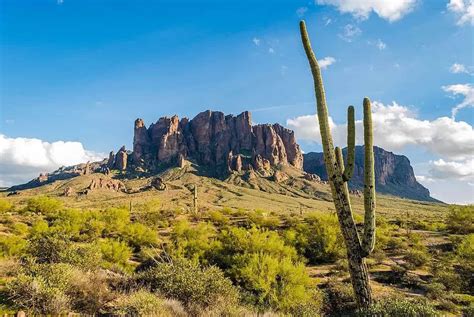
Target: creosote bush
pixel 461 219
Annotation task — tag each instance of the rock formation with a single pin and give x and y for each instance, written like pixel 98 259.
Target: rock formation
pixel 106 183
pixel 393 173
pixel 223 142
pixel 121 159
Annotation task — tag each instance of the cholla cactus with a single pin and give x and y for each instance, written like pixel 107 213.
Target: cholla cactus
pixel 338 175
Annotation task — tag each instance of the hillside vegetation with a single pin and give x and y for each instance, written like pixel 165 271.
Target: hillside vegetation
pixel 254 246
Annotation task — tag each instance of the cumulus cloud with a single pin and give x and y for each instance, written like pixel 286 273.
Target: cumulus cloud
pixel 22 159
pixel 327 61
pixel 464 9
pixel 392 10
pixel 464 90
pixel 396 127
pixel 462 170
pixel 350 32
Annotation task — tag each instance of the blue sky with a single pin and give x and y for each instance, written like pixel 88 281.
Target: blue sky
pixel 82 71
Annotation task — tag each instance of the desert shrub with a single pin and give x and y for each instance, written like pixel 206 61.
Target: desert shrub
pixel 12 245
pixel 139 303
pixel 48 247
pixel 155 218
pixel 265 268
pixel 465 249
pixel 192 242
pixel 139 235
pixel 218 218
pixel 89 291
pixel 43 205
pixel 461 219
pixel 196 287
pixel 5 206
pixel 435 290
pixel 116 220
pixel 318 240
pixel 42 289
pixel 115 253
pixel 468 311
pixel 338 298
pixel 20 229
pixel 263 219
pixel 396 307
pixel 416 258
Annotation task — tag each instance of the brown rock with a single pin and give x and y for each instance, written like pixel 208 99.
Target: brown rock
pixel 104 183
pixel 279 177
pixel 158 183
pixel 121 159
pixel 68 191
pixel 312 177
pixel 43 177
pixel 111 160
pixel 141 141
pixel 181 161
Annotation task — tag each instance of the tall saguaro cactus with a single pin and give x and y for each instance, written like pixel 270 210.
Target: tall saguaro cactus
pixel 339 174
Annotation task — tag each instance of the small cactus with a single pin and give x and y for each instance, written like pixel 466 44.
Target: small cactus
pixel 338 176
pixel 195 199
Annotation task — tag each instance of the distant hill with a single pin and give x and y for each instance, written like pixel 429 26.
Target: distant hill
pixel 393 173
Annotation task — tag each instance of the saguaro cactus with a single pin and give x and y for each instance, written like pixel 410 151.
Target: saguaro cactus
pixel 195 199
pixel 338 174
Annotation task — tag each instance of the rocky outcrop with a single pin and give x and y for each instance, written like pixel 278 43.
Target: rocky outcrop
pixel 106 183
pixel 393 173
pixel 121 159
pixel 223 142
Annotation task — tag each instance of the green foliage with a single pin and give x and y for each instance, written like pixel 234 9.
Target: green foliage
pixel 43 205
pixel 416 258
pixel 192 242
pixel 267 270
pixel 218 218
pixel 5 206
pixel 12 245
pixel 197 288
pixel 139 235
pixel 319 239
pixel 115 253
pixel 116 220
pixel 401 308
pixel 41 289
pixel 461 219
pixel 139 303
pixel 465 249
pixel 338 298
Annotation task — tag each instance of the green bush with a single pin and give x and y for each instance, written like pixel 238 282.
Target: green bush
pixel 395 307
pixel 465 249
pixel 267 270
pixel 115 253
pixel 12 245
pixel 139 303
pixel 197 288
pixel 5 206
pixel 192 242
pixel 116 220
pixel 43 205
pixel 139 235
pixel 319 239
pixel 461 219
pixel 338 298
pixel 42 289
pixel 416 258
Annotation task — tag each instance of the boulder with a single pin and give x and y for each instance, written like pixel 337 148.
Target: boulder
pixel 121 159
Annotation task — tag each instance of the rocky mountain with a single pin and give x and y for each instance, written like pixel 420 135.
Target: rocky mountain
pixel 393 173
pixel 221 142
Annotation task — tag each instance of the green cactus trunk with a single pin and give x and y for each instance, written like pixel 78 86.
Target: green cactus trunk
pixel 339 175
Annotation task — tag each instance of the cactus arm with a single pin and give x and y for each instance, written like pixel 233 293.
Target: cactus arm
pixel 368 240
pixel 339 160
pixel 349 168
pixel 322 109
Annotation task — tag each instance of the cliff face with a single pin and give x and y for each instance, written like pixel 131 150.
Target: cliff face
pixel 225 142
pixel 393 173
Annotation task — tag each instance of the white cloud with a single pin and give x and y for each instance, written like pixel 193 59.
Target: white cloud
pixel 327 21
pixel 391 10
pixel 462 170
pixel 350 32
pixel 22 159
pixel 301 11
pixel 458 68
pixel 396 127
pixel 271 50
pixel 465 90
pixel 464 9
pixel 327 61
pixel 256 41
